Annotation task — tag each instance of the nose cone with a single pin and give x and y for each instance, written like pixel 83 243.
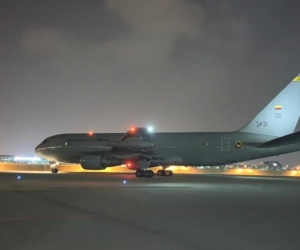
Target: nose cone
pixel 37 148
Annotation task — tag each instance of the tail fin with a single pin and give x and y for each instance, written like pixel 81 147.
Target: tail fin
pixel 281 115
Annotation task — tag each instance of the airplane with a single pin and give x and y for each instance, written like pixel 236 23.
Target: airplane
pixel 269 133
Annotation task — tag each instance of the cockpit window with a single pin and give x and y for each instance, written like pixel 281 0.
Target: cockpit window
pixel 44 141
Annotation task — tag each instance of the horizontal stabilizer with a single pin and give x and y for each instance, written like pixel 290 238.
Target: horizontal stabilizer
pixel 282 141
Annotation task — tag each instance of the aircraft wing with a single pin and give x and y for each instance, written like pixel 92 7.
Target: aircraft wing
pixel 135 144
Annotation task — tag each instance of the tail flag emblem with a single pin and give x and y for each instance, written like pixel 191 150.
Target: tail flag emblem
pixel 278 107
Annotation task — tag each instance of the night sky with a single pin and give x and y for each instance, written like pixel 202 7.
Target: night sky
pixel 73 66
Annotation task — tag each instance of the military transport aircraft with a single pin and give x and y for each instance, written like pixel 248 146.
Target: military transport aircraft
pixel 269 133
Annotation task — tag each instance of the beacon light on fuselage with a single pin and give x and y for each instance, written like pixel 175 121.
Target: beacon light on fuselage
pixel 150 129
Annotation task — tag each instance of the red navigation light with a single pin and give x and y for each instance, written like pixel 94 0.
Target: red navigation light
pixel 128 164
pixel 132 129
pixel 90 133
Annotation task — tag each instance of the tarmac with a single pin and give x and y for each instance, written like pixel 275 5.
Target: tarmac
pixel 119 211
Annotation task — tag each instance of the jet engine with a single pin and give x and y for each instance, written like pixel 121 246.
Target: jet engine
pixel 94 162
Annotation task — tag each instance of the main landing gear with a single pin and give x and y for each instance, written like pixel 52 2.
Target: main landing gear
pixel 164 173
pixel 150 174
pixel 144 173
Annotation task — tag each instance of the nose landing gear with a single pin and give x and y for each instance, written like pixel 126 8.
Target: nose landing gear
pixel 54 168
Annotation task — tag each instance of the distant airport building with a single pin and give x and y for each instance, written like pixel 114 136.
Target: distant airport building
pixel 274 165
pixel 23 159
pixel 269 165
pixel 7 158
pixel 266 165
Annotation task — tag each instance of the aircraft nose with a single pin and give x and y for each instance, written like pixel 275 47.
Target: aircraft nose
pixel 37 147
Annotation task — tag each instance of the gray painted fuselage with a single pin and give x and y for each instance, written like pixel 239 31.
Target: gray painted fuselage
pixel 193 149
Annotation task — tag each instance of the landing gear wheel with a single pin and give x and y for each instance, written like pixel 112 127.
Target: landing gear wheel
pixel 149 174
pixel 54 170
pixel 160 173
pixel 139 173
pixel 168 173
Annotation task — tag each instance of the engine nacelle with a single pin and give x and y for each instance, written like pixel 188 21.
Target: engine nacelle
pixel 94 162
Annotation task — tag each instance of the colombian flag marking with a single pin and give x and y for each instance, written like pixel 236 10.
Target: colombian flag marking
pixel 278 107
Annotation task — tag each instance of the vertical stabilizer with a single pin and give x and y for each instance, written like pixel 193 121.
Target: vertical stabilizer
pixel 281 115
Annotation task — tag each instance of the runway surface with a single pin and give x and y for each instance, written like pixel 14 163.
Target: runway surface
pixel 100 211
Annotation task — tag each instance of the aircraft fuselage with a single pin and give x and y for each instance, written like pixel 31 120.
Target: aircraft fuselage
pixel 192 149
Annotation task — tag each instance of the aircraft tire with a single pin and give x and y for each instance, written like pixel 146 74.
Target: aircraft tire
pixel 160 173
pixel 149 174
pixel 54 170
pixel 146 174
pixel 168 173
pixel 139 173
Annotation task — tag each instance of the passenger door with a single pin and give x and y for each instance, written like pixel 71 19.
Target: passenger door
pixel 225 144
